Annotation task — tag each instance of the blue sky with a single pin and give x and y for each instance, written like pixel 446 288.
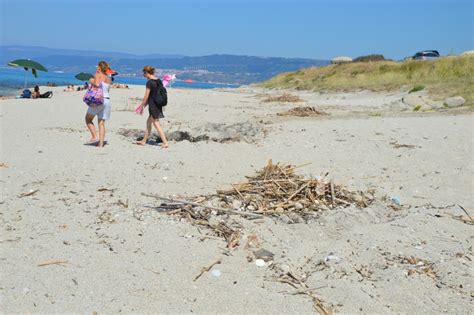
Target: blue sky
pixel 298 28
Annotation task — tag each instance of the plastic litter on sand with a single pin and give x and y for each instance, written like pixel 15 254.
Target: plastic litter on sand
pixel 260 263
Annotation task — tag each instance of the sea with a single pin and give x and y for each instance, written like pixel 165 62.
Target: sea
pixel 12 81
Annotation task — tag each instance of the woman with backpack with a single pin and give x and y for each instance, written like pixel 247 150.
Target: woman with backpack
pixel 155 109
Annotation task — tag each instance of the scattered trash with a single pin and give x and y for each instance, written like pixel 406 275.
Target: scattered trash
pixel 260 263
pixel 332 257
pixel 275 190
pixel 278 187
pixel 165 178
pixel 28 193
pixel 299 283
pixel 216 273
pixel 3 165
pixel 201 214
pixel 396 200
pixel 416 266
pixel 206 269
pixel 264 255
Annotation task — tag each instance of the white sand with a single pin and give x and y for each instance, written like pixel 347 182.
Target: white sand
pixel 145 261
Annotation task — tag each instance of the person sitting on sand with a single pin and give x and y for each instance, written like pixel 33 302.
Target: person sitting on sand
pixel 155 111
pixel 36 92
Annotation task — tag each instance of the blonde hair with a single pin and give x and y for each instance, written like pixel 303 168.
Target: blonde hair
pixel 103 66
pixel 149 70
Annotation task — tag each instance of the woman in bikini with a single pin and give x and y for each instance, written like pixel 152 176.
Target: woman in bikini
pixel 155 111
pixel 36 92
pixel 100 80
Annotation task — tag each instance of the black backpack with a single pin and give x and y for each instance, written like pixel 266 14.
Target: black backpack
pixel 161 96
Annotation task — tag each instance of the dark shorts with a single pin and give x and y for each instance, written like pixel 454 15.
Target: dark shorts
pixel 155 111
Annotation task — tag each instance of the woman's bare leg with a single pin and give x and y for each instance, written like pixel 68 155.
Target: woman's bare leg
pixel 101 132
pixel 161 133
pixel 147 131
pixel 90 125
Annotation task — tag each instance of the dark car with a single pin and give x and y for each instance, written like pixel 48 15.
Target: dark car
pixel 426 55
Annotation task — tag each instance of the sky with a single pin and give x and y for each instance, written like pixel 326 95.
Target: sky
pixel 318 29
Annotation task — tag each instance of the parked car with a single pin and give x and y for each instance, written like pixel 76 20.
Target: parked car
pixel 426 55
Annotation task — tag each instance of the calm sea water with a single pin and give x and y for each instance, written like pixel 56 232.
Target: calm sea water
pixel 12 81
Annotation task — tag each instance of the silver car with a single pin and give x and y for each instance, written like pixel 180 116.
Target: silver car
pixel 426 55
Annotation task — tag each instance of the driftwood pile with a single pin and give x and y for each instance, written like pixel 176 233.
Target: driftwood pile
pixel 305 111
pixel 277 190
pixel 274 191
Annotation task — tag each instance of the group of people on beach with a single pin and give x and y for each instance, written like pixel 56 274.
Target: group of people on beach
pixel 103 80
pixel 72 88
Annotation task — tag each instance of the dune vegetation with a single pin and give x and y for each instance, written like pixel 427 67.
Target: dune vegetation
pixel 445 77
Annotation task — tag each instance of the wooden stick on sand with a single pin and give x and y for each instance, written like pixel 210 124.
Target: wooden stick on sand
pixel 206 269
pixel 242 213
pixel 53 262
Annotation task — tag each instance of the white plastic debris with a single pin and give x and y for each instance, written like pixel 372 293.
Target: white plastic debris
pixel 260 263
pixel 216 273
pixel 332 257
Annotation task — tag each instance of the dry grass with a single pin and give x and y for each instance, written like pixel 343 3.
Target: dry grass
pixel 416 88
pixel 285 98
pixel 447 76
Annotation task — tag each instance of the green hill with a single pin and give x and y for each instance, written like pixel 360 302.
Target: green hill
pixel 445 77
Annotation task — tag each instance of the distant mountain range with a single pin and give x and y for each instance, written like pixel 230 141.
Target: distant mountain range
pixel 212 68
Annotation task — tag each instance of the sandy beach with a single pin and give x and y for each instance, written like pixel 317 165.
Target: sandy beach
pixel 78 235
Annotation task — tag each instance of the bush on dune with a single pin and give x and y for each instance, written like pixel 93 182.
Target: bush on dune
pixel 445 77
pixel 369 58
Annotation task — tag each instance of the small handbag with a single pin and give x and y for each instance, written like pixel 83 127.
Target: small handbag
pixel 94 97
